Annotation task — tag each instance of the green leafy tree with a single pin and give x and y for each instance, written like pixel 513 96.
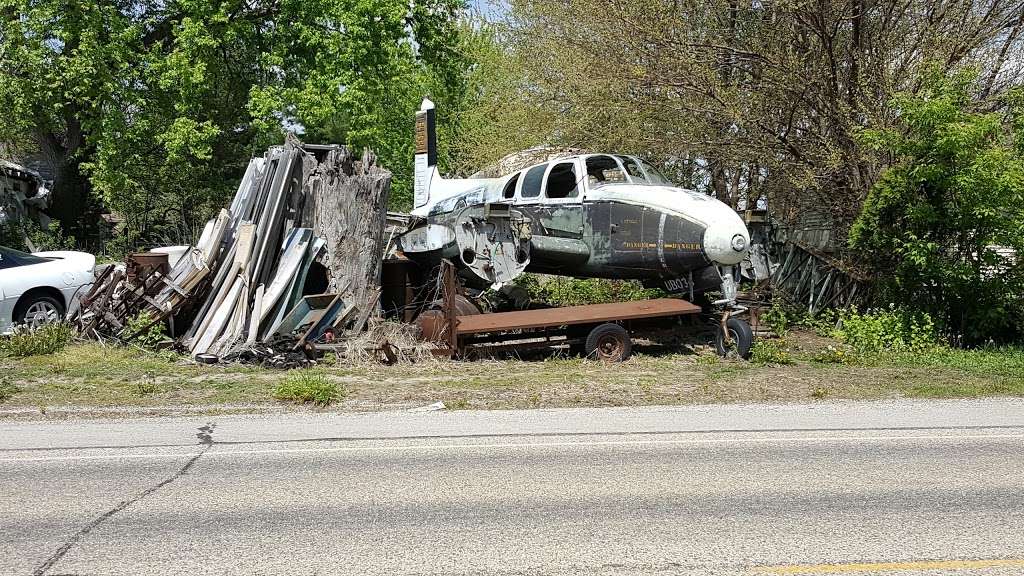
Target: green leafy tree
pixel 154 108
pixel 944 221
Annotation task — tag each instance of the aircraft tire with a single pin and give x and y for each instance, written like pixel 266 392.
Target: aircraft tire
pixel 742 339
pixel 609 342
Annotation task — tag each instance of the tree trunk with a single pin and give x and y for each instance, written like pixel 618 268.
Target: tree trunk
pixel 346 204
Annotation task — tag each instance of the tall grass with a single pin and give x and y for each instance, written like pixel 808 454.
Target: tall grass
pixel 47 339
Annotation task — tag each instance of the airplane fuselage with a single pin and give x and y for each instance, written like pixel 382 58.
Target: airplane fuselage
pixel 603 216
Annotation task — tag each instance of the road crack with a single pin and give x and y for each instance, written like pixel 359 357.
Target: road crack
pixel 205 436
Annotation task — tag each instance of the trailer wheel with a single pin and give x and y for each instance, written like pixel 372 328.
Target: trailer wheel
pixel 609 342
pixel 741 339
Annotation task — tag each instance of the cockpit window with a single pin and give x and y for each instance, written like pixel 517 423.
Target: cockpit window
pixel 636 174
pixel 510 188
pixel 532 180
pixel 562 181
pixel 603 170
pixel 643 173
pixel 653 176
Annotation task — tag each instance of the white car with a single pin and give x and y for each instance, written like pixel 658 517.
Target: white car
pixel 41 287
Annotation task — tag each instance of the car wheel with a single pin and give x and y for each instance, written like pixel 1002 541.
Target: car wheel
pixel 37 310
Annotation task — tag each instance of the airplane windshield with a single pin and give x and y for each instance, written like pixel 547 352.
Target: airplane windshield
pixel 603 170
pixel 641 172
pixel 653 176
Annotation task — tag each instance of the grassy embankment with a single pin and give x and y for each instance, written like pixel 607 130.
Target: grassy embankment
pixel 804 366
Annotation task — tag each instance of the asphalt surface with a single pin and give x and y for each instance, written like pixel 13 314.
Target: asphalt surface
pixel 854 488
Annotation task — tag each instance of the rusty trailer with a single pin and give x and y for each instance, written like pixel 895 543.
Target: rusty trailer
pixel 602 329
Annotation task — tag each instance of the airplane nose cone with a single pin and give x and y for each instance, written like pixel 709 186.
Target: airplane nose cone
pixel 726 239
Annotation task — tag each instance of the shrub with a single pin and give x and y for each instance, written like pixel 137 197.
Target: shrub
pixel 563 291
pixel 777 318
pixel 772 351
pixel 888 330
pixel 938 223
pixel 823 322
pixel 306 385
pixel 142 331
pixel 46 339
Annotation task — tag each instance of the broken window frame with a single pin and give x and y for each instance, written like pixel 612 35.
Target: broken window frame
pixel 572 199
pixel 590 186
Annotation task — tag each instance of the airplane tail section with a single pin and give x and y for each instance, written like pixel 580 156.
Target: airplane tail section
pixel 426 153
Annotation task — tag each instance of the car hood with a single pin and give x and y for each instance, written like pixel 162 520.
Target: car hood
pixel 83 260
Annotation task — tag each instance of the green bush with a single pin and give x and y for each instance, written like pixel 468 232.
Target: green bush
pixel 46 339
pixel 142 331
pixel 563 291
pixel 52 237
pixel 306 385
pixel 777 318
pixel 888 330
pixel 770 351
pixel 823 322
pixel 937 225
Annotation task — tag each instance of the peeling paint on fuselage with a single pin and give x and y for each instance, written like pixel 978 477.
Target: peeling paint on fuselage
pixel 654 233
pixel 625 241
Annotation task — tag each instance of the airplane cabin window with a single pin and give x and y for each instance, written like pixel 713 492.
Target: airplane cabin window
pixel 510 188
pixel 603 170
pixel 532 180
pixel 562 181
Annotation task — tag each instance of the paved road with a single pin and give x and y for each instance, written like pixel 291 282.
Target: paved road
pixel 860 488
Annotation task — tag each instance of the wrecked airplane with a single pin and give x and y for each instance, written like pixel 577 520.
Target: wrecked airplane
pixel 587 216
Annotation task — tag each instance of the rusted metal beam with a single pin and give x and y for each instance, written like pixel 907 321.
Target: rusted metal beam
pixel 570 315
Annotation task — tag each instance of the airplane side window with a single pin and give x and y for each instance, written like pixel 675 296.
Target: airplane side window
pixel 532 180
pixel 562 181
pixel 510 188
pixel 603 170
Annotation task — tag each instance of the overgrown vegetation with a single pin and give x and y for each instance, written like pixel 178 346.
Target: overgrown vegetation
pixel 942 224
pixel 144 332
pixel 888 330
pixel 768 351
pixel 28 235
pixel 308 385
pixel 47 339
pixel 563 291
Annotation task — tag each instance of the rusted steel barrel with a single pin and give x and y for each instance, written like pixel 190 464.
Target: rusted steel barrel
pixel 141 265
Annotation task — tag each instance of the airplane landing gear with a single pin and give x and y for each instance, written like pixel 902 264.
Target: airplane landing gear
pixel 734 338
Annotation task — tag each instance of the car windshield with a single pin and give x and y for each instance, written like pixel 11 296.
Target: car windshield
pixel 9 258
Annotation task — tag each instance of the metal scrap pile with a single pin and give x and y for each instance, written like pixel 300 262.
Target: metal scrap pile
pixel 271 276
